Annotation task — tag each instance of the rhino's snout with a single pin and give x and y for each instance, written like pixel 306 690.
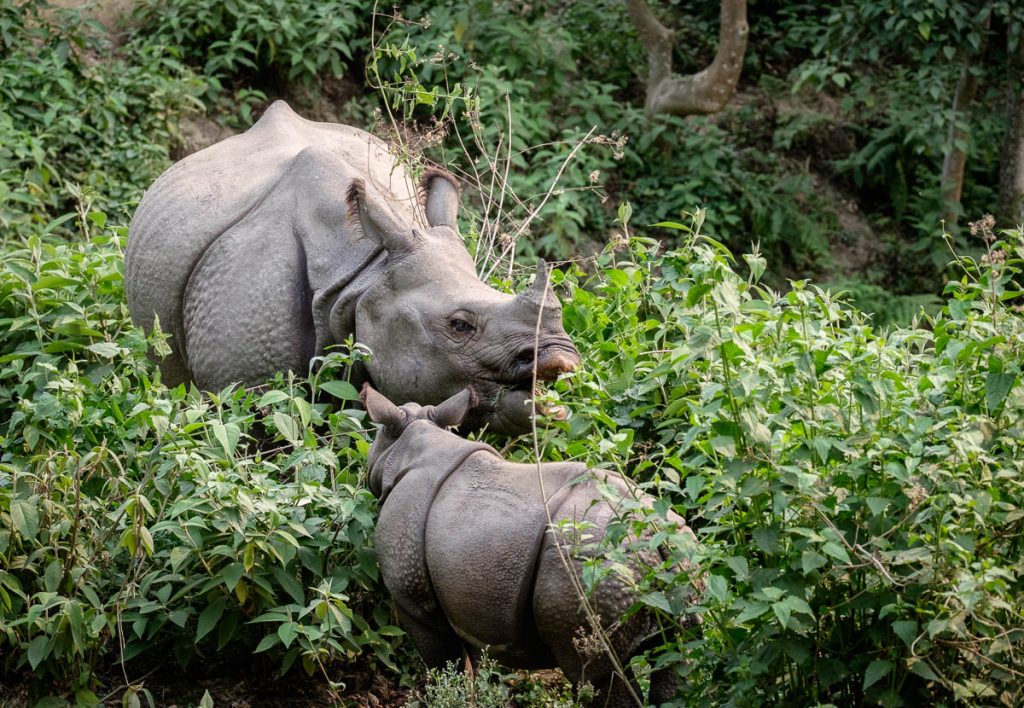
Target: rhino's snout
pixel 552 361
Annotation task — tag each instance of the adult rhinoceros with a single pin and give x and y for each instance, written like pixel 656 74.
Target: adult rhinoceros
pixel 261 251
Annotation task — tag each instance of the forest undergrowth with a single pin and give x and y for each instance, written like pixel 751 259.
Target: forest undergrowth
pixel 855 488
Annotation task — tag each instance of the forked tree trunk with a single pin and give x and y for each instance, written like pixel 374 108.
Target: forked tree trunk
pixel 1010 209
pixel 708 90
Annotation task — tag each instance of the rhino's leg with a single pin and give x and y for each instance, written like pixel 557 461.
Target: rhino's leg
pixel 663 686
pixel 172 367
pixel 582 653
pixel 437 645
pixel 247 306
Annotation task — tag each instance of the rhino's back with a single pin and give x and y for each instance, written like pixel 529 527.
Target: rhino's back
pixel 204 195
pixel 484 532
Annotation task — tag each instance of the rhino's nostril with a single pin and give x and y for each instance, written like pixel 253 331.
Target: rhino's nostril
pixel 525 357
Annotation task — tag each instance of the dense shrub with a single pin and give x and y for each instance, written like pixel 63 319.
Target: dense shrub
pixel 137 520
pixel 856 492
pixel 275 41
pixel 857 495
pixel 75 116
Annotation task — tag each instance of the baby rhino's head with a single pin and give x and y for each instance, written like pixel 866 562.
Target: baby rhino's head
pixel 393 420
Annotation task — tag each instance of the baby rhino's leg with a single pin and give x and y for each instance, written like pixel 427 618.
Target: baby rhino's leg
pixel 438 645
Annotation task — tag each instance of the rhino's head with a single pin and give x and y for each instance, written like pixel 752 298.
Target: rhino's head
pixel 434 328
pixel 393 420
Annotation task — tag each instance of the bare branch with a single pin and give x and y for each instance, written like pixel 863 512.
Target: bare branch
pixel 708 90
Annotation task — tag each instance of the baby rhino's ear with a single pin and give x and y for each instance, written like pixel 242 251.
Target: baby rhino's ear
pixel 451 412
pixel 381 410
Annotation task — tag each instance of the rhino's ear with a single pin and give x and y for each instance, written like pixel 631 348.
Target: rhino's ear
pixel 439 193
pixel 451 412
pixel 380 409
pixel 369 215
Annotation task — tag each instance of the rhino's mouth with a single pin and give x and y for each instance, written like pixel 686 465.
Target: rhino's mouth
pixel 512 406
pixel 527 391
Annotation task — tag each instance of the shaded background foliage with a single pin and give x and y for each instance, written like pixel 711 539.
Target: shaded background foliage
pixel 856 489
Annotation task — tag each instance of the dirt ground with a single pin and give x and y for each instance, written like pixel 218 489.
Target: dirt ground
pixel 171 687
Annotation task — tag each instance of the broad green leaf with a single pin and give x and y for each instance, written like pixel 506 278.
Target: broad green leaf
pixel 288 428
pixel 304 409
pixel 227 434
pixel 51 577
pixel 724 445
pixel 271 397
pixel 231 574
pixel 25 517
pixel 146 538
pixel 836 551
pixel 739 566
pixel 76 622
pixel 340 389
pixel 266 643
pixel 38 649
pixel 290 584
pixel 906 630
pixel 287 632
pixel 922 669
pixel 811 561
pixel 617 277
pixel 179 554
pixel 656 599
pixel 718 587
pixel 209 617
pixel 875 672
pixel 85 697
pixel 766 539
pixel 997 388
pixel 782 611
pixel 877 504
pixel 105 349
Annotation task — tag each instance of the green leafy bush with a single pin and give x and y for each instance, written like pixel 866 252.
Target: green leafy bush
pixel 508 118
pixel 136 519
pixel 278 40
pixel 73 115
pixel 856 494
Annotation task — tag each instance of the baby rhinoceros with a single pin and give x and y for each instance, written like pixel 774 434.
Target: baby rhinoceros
pixel 473 560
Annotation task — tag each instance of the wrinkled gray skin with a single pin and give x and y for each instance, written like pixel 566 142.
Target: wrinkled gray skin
pixel 464 550
pixel 261 251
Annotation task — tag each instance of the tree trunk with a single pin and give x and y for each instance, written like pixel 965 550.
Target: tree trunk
pixel 955 161
pixel 1010 210
pixel 953 164
pixel 708 90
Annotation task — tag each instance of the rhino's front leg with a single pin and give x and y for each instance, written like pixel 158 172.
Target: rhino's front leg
pixel 438 645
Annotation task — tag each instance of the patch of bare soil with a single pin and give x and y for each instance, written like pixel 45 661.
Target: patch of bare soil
pixel 198 132
pixel 858 245
pixel 112 14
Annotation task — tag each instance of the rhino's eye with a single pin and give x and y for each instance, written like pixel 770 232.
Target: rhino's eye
pixel 460 325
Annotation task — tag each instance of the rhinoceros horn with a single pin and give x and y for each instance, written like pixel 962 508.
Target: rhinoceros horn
pixel 539 294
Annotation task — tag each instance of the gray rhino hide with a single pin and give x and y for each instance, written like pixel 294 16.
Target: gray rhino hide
pixel 234 219
pixel 465 553
pixel 259 252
